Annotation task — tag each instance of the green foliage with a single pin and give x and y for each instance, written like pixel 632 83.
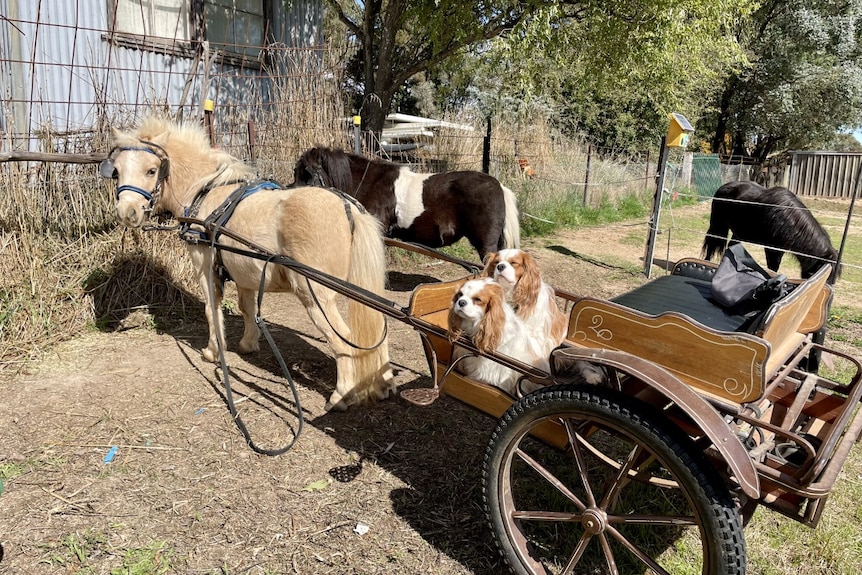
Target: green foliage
pixel 76 550
pixel 154 559
pixel 806 52
pixel 842 316
pixel 12 470
pixel 553 214
pixel 393 41
pixel 615 69
pixel 616 77
pixel 82 552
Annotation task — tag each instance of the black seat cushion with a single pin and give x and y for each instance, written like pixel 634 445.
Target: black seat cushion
pixel 686 295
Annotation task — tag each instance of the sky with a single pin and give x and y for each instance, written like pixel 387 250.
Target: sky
pixel 858 134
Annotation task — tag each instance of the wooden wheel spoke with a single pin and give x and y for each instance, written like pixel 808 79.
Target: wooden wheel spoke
pixel 609 554
pixel 550 478
pixel 524 515
pixel 639 473
pixel 621 478
pixel 637 552
pixel 577 554
pixel 663 520
pixel 575 441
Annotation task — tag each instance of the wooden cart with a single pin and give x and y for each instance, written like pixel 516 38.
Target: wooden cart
pixel 704 417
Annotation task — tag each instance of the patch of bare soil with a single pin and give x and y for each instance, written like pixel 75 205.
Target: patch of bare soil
pixel 386 488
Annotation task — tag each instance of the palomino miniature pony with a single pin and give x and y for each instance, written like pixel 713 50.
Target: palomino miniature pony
pixel 430 209
pixel 167 167
pixel 773 218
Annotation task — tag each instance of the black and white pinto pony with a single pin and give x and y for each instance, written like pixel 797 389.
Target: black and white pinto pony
pixel 162 166
pixel 434 210
pixel 774 218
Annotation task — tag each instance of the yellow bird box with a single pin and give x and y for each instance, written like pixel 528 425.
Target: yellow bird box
pixel 678 131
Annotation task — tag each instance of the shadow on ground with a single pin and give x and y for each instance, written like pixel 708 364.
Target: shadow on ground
pixel 135 290
pixel 437 450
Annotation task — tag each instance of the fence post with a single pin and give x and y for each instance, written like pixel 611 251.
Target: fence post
pixel 357 135
pixel 656 208
pixel 252 143
pixel 856 190
pixel 587 174
pixel 209 106
pixel 486 148
pixel 687 169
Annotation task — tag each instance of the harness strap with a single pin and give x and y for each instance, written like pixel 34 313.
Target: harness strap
pixel 106 168
pixel 220 216
pixel 136 189
pixel 226 373
pixel 227 207
pixel 348 200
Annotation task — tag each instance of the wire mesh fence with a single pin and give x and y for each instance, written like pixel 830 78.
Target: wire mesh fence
pixel 68 76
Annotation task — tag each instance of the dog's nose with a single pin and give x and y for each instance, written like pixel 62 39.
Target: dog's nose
pixel 501 267
pixel 462 302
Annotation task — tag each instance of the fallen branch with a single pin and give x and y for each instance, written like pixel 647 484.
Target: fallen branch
pixel 50 157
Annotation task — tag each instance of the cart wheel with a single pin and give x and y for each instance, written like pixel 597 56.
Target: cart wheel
pixel 630 493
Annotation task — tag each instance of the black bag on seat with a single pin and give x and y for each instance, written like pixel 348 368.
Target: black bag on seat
pixel 742 286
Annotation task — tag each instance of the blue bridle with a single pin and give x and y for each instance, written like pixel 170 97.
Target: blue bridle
pixel 107 169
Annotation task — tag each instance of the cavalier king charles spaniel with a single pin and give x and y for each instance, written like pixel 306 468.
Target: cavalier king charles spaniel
pixel 479 311
pixel 535 303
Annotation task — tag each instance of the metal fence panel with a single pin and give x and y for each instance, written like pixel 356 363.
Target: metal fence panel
pixel 824 174
pixel 705 174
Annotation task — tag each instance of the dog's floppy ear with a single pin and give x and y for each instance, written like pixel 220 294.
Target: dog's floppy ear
pixel 455 330
pixel 490 331
pixel 528 287
pixel 489 263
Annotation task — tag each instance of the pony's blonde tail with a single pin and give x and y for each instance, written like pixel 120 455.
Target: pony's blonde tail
pixel 512 227
pixel 367 326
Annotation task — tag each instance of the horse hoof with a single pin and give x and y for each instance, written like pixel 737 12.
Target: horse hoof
pixel 245 348
pixel 335 403
pixel 385 387
pixel 209 355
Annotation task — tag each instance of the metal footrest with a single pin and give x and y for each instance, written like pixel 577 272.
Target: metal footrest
pixel 423 396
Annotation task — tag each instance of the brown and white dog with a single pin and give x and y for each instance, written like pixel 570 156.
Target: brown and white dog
pixel 479 311
pixel 535 303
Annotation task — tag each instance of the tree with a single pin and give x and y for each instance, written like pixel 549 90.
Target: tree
pixel 615 73
pixel 603 44
pixel 398 39
pixel 804 83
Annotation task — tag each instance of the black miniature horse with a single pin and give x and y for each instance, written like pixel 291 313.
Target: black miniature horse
pixel 773 218
pixel 430 209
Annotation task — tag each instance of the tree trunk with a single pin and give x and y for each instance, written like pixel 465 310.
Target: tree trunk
pixel 373 113
pixel 722 121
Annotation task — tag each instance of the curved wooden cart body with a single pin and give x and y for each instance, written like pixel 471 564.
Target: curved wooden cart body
pixel 705 416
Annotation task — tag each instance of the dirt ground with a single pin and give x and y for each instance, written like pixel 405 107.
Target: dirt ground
pixel 387 488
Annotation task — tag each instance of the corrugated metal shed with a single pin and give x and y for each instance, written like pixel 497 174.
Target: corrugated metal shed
pixel 61 72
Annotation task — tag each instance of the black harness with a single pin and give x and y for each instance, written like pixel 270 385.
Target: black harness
pixel 219 217
pixel 107 170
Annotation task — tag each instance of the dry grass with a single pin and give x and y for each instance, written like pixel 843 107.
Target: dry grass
pixel 64 264
pixel 62 258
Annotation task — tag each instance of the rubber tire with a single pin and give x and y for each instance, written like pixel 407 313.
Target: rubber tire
pixel 716 513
